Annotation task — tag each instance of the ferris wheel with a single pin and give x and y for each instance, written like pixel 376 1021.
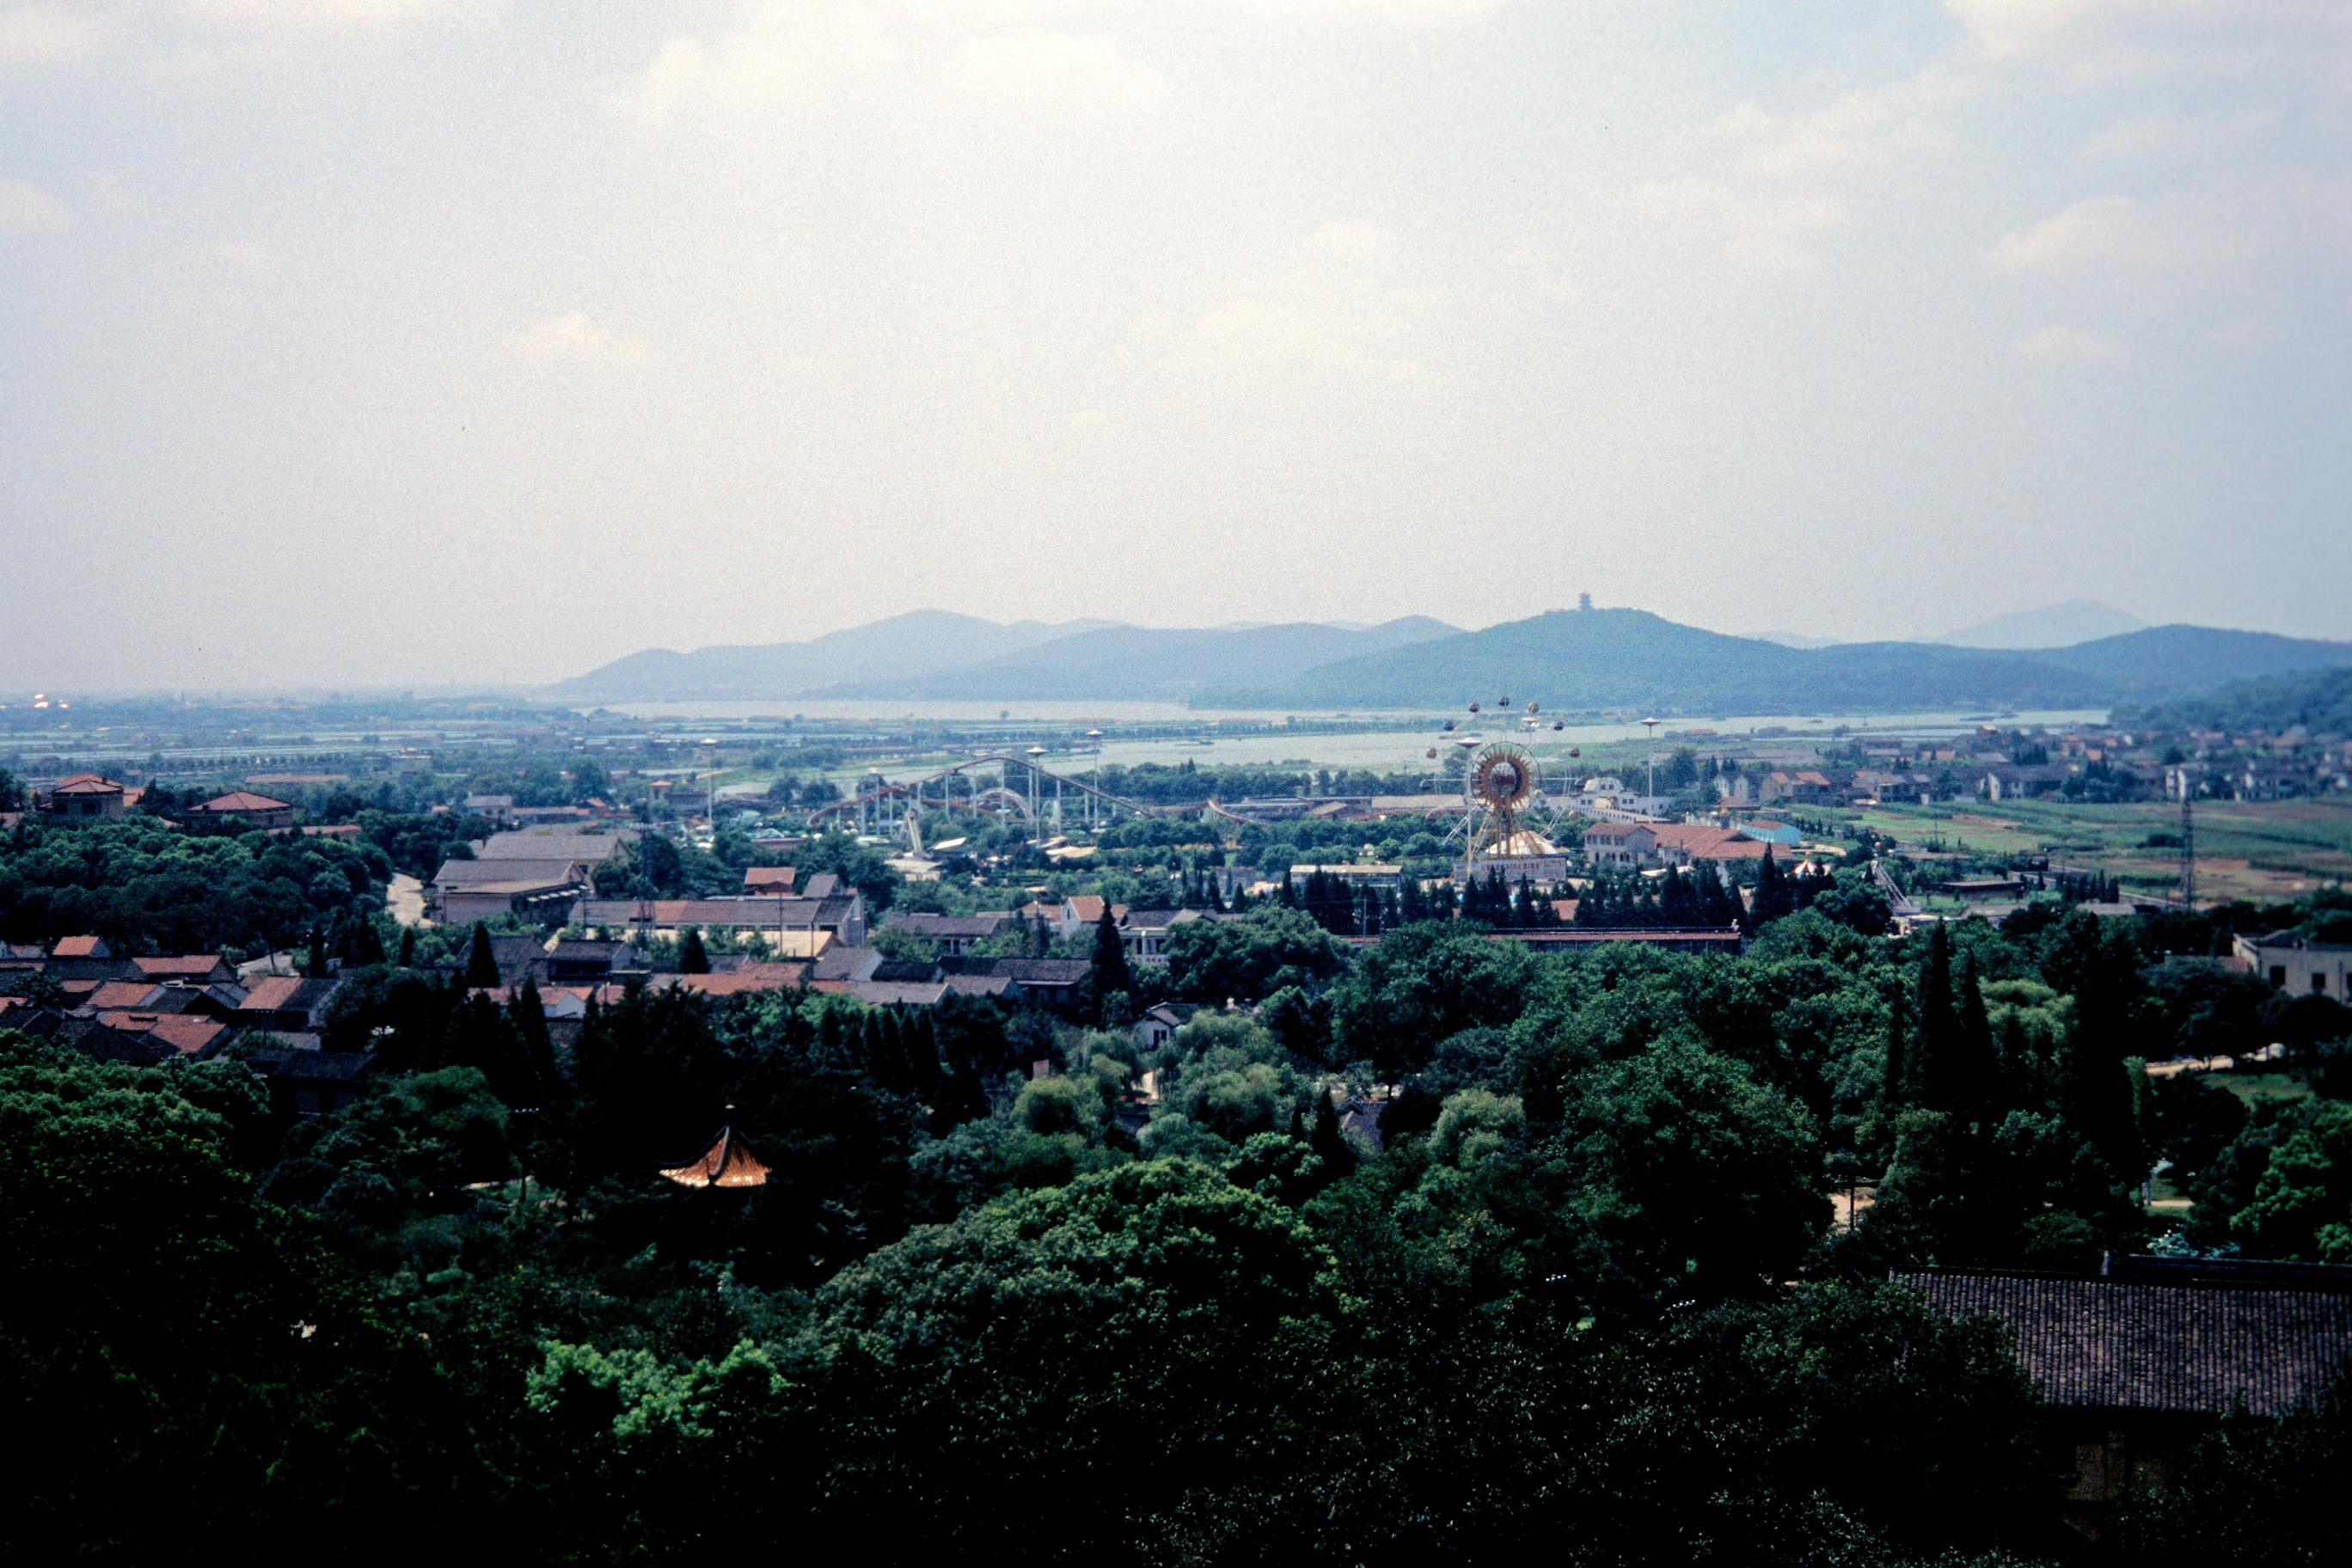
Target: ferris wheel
pixel 1502 781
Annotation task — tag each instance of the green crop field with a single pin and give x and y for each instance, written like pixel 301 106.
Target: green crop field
pixel 2256 849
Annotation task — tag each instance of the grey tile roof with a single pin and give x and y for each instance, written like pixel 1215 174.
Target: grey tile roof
pixel 2198 1344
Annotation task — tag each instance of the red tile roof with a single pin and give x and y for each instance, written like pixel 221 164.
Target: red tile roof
pixel 79 947
pixel 742 981
pixel 121 994
pixel 184 1032
pixel 186 965
pixel 270 993
pixel 240 800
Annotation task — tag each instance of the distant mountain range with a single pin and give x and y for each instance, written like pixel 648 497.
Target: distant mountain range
pixel 1138 663
pixel 1565 659
pixel 2052 625
pixel 913 643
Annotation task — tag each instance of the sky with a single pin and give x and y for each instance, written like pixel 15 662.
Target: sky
pixel 384 343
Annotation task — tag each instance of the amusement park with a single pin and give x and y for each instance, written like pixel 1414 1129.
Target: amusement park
pixel 1503 815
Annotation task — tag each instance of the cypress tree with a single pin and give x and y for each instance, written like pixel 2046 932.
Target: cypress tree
pixel 692 957
pixel 1897 1091
pixel 407 946
pixel 1980 1083
pixel 1109 971
pixel 481 967
pixel 1328 1142
pixel 1938 1067
pixel 315 965
pixel 528 1014
pixel 923 1054
pixel 2097 1094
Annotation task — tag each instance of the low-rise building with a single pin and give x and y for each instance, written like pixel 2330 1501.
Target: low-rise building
pixel 2137 1362
pixel 2299 967
pixel 286 1004
pixel 1160 1023
pixel 1144 932
pixel 265 812
pixel 950 936
pixel 86 797
pixel 842 918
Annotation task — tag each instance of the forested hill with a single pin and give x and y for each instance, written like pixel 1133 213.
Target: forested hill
pixel 1616 659
pixel 1135 663
pixel 2170 660
pixel 2320 700
pixel 912 644
pixel 1631 659
pixel 1563 659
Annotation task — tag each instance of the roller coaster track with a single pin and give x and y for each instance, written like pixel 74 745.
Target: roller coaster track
pixel 910 789
pixel 1901 901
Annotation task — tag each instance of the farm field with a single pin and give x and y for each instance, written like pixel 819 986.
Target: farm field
pixel 2251 849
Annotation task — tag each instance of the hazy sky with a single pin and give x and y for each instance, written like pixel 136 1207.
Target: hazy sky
pixel 401 341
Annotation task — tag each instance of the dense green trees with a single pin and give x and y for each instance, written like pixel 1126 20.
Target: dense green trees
pixel 173 1342
pixel 148 889
pixel 1077 1311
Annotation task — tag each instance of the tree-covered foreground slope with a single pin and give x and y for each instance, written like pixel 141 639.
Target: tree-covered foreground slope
pixel 1588 1304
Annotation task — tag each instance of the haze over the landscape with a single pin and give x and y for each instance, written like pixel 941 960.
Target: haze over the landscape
pixel 385 342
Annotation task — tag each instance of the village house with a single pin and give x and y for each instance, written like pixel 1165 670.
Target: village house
pixel 259 811
pixel 85 797
pixel 1144 932
pixel 286 1005
pixel 2138 1361
pixel 1159 1024
pixel 2298 967
pixel 1621 845
pixel 840 916
pixel 1806 785
pixel 950 936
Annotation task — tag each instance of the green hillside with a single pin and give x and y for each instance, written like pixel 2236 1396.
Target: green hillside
pixel 2320 700
pixel 1631 659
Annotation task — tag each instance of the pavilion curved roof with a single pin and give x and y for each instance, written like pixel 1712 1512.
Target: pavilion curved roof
pixel 726 1161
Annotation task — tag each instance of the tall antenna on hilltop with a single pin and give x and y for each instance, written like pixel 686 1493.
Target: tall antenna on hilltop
pixel 2187 842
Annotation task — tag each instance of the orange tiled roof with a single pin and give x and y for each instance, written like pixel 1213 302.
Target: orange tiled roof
pixel 182 964
pixel 184 1032
pixel 240 800
pixel 270 993
pixel 120 994
pixel 79 947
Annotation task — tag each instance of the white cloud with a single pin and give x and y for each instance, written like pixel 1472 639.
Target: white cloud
pixel 2212 231
pixel 1398 13
pixel 1341 298
pixel 1859 128
pixel 323 16
pixel 780 52
pixel 28 209
pixel 2093 232
pixel 1084 73
pixel 2065 345
pixel 48 36
pixel 575 339
pixel 2095 41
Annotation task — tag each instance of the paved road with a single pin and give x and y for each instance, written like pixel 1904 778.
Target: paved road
pixel 406 900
